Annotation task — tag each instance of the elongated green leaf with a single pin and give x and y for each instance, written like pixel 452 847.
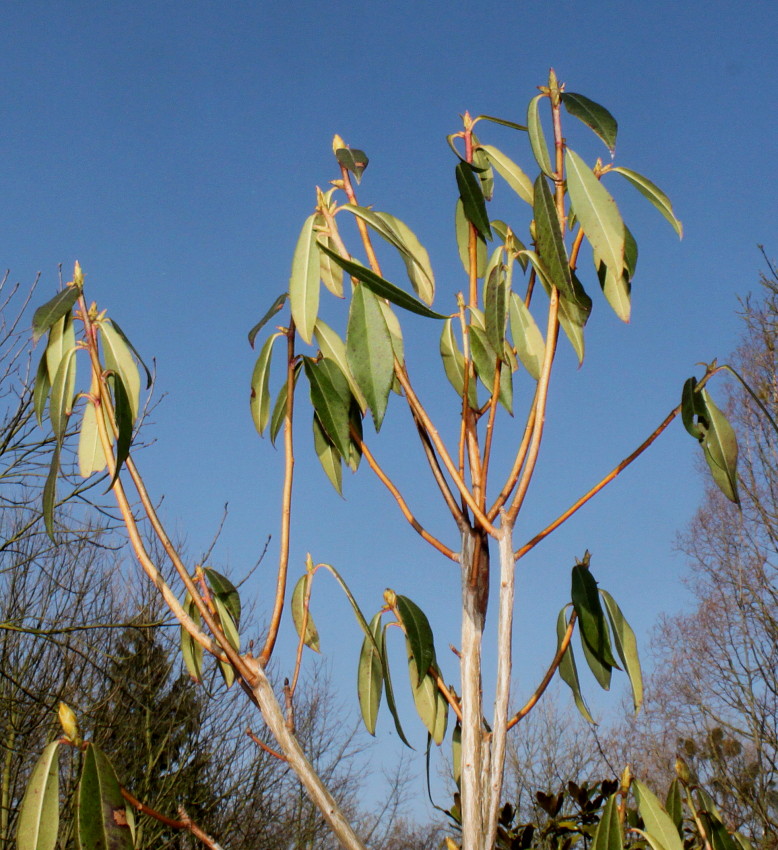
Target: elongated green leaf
pixel 53 310
pixel 720 448
pixel 496 301
pixel 133 350
pixel 692 406
pixel 333 348
pixel 438 733
pixel 419 634
pixel 123 413
pixel 594 116
pixel 390 700
pixel 618 290
pixel 483 168
pixel 527 337
pixel 537 139
pixel 462 229
pixel 424 692
pixel 593 628
pixel 370 675
pixel 485 362
pixel 230 629
pixel 278 415
pixel 567 669
pixel 329 456
pixel 454 363
pixel 597 212
pixel 224 590
pixel 41 390
pixel 654 194
pixel 331 273
pixel 274 308
pixel 191 650
pixel 369 351
pixel 383 288
pixel 674 805
pixel 456 753
pixel 62 390
pixel 304 280
pixel 50 491
pixel 327 397
pixel 62 339
pixel 626 647
pixel 39 812
pixel 659 824
pixel 260 385
pixel 102 821
pixel 395 331
pixel 601 672
pixel 513 245
pixel 551 246
pixel 417 261
pixel 717 833
pixel 91 457
pixel 510 173
pixel 354 160
pixel 118 359
pixel 743 842
pixel 512 124
pixel 472 199
pixel 609 835
pixel 311 636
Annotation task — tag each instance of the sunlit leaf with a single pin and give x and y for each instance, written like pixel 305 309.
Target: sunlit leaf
pixel 462 229
pixel 329 456
pixel 133 350
pixel 354 160
pixel 483 168
pixel 38 822
pixel 417 629
pixel 438 733
pixel 454 363
pixel 333 348
pixel 510 173
pixel 53 310
pixel 230 629
pixel 100 809
pixel 91 457
pixel 370 675
pixel 567 669
pixel 274 308
pixel 512 124
pixel 654 194
pixel 527 337
pixel 658 824
pixel 551 246
pixel 311 635
pixel 62 390
pixel 608 835
pixel 260 385
pixel 424 692
pixel 496 300
pixel 41 390
pixel 417 261
pixel 537 139
pixel 485 362
pixel 62 339
pixel 118 359
pixel 720 449
pixel 626 647
pixel 472 199
pixel 594 116
pixel 331 273
pixel 304 280
pixel 191 650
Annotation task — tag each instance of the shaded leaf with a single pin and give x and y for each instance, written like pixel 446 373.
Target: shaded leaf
pixel 674 805
pixel 537 139
pixel 496 300
pixel 551 246
pixel 354 160
pixel 102 823
pixel 327 386
pixel 456 753
pixel 485 362
pixel 311 636
pixel 424 692
pixel 626 647
pixel 658 823
pixel 39 812
pixel 259 401
pixel 567 669
pixel 483 169
pixel 593 627
pixel 329 456
pixel 419 634
pixel 333 348
pixel 462 229
pixel 226 592
pixel 278 415
pixel 304 280
pixel 50 491
pixel 41 390
pixel 62 390
pixel 62 339
pixel 653 193
pixel 390 701
pixel 527 337
pixel 370 675
pixel 54 310
pixel 191 650
pixel 454 363
pixel 719 445
pixel 594 116
pixel 608 835
pixel 472 198
pixel 123 414
pixel 510 173
pixel 274 308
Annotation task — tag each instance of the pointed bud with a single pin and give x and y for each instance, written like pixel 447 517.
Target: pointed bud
pixel 337 143
pixel 78 276
pixel 69 723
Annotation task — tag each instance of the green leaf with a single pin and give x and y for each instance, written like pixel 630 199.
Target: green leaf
pixel 483 169
pixel 551 246
pixel 133 350
pixel 496 300
pixel 472 198
pixel 62 390
pixel 62 338
pixel 278 415
pixel 425 694
pixel 330 397
pixel 593 628
pixel 304 280
pixel 329 456
pixel 311 636
pixel 190 648
pixel 260 385
pixel 100 809
pixel 274 308
pixel 617 291
pixel 462 229
pixel 654 194
pixel 419 634
pixel 354 160
pixel 594 116
pixel 658 823
pixel 230 629
pixel 123 413
pixel 692 406
pixel 226 592
pixel 597 212
pixel 720 448
pixel 626 647
pixel 438 732
pixel 510 173
pixel 91 457
pixel 331 273
pixel 527 337
pixel 54 310
pixel 118 359
pixel 369 351
pixel 456 753
pixel 390 701
pixel 485 362
pixel 536 138
pixel 674 805
pixel 370 675
pixel 454 363
pixel 383 288
pixel 333 348
pixel 567 669
pixel 50 491
pixel 608 835
pixel 512 124
pixel 41 390
pixel 39 812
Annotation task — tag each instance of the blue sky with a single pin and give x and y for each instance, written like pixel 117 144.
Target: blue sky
pixel 173 149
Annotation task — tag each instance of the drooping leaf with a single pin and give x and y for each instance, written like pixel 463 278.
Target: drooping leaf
pixel 483 169
pixel 191 650
pixel 527 337
pixel 626 647
pixel 502 121
pixel 417 261
pixel 41 390
pixel 537 139
pixel 485 362
pixel 419 634
pixel 50 491
pixel 311 636
pixel 329 456
pixel 370 675
pixel 425 693
pixel 674 805
pixel 260 385
pixel 456 753
pixel 462 229
pixel 62 339
pixel 354 160
pixel 383 288
pixel 510 173
pixel 91 457
pixel 274 308
pixel 224 590
pixel 390 700
pixel 230 629
pixel 38 822
pixel 472 198
pixel 496 300
pixel 333 348
pixel 692 406
pixel 720 449
pixel 369 351
pixel 654 194
pixel 513 245
pixel 100 810
pixel 597 212
pixel 594 116
pixel 53 310
pixel 438 733
pixel 551 246
pixel 567 669
pixel 331 273
pixel 278 415
pixel 133 350
pixel 304 280
pixel 617 291
pixel 659 824
pixel 123 413
pixel 118 359
pixel 330 397
pixel 593 627
pixel 454 363
pixel 608 835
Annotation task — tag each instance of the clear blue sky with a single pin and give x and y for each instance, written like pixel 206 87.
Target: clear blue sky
pixel 173 148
